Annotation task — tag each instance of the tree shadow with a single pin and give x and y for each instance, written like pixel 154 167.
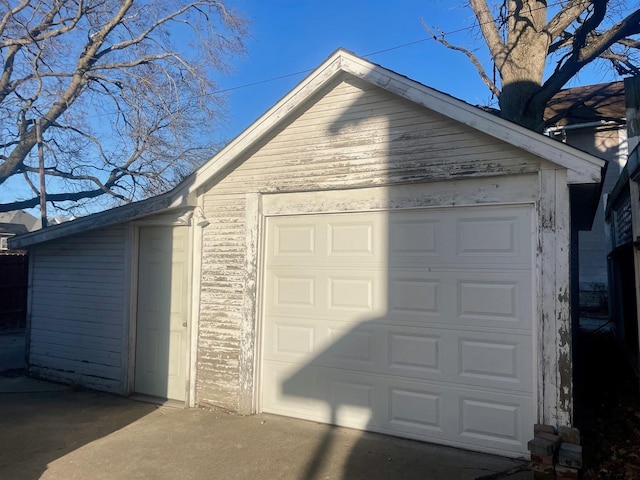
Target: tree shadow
pixel 390 332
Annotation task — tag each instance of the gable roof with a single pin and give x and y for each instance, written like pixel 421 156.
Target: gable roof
pixel 582 168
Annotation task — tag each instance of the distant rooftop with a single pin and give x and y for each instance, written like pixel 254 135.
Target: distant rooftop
pixel 604 101
pixel 12 229
pixel 20 217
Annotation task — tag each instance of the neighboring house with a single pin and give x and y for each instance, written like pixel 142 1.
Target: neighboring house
pixel 8 230
pixel 593 119
pixel 14 223
pixel 370 252
pixel 623 219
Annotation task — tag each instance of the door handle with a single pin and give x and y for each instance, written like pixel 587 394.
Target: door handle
pixel 184 324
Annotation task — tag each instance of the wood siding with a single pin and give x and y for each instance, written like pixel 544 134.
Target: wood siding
pixel 354 135
pixel 77 310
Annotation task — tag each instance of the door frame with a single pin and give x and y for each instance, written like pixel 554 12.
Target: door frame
pixel 178 219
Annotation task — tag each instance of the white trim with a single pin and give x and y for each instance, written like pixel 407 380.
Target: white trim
pixel 248 345
pixel 555 405
pixel 275 205
pixel 188 401
pixel 134 235
pixel 126 311
pixel 509 190
pixel 194 322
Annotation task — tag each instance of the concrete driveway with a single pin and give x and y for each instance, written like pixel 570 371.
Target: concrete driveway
pixel 51 432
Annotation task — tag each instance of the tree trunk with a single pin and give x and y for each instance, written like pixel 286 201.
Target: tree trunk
pixel 518 104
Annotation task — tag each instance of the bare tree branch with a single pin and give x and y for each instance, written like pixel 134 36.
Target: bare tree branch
pixel 535 58
pixel 490 31
pixel 122 110
pixel 567 15
pixel 440 38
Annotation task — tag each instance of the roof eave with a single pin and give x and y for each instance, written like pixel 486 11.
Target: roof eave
pixel 91 222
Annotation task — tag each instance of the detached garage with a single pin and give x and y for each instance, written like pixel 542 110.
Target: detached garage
pixel 370 253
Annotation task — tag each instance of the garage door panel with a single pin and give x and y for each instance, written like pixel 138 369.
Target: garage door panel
pixel 412 236
pixel 500 421
pixel 416 323
pixel 294 291
pixel 412 353
pixel 352 239
pixel 415 294
pixel 303 396
pixel 295 240
pixel 494 299
pixel 494 360
pixel 334 293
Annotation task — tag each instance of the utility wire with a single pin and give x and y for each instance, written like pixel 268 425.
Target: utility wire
pixel 397 47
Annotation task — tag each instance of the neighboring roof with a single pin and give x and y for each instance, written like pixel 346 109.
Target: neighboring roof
pixel 582 168
pixel 601 102
pixel 20 217
pixel 12 229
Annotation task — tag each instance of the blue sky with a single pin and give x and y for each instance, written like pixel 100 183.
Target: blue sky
pixel 296 35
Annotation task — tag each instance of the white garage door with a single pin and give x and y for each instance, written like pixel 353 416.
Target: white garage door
pixel 415 323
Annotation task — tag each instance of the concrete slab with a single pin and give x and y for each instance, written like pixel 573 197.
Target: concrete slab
pixel 80 435
pixel 12 348
pixel 22 384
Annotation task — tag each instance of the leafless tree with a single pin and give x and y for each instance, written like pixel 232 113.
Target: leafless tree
pixel 122 92
pixel 537 46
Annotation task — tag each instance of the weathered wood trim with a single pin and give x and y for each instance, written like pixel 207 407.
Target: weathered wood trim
pixel 497 190
pixel 196 278
pixel 247 403
pixel 555 403
pixel 134 245
pixel 126 311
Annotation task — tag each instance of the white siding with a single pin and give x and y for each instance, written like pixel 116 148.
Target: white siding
pixel 77 309
pixel 354 135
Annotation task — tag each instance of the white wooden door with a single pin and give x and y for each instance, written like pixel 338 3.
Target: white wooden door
pixel 415 323
pixel 162 312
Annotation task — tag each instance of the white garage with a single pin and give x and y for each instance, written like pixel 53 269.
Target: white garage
pixel 370 253
pixel 411 322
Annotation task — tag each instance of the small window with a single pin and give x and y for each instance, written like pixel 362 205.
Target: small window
pixel 4 243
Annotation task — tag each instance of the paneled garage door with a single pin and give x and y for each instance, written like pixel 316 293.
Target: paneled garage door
pixel 416 323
